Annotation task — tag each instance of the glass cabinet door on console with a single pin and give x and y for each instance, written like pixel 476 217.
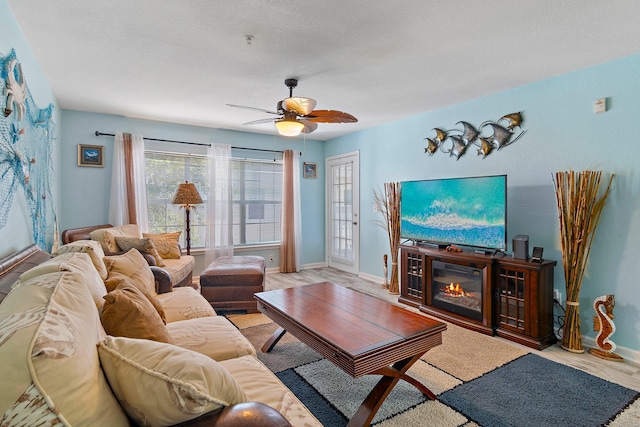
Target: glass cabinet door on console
pixel 523 292
pixel 510 293
pixel 412 264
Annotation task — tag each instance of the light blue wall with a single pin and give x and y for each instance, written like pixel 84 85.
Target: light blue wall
pixel 17 233
pixel 85 195
pixel 563 134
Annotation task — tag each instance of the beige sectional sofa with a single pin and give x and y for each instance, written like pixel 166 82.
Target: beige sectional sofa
pixel 60 366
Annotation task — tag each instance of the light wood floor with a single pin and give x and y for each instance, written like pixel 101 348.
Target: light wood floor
pixel 625 373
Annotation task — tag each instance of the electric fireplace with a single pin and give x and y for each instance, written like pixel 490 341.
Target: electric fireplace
pixel 457 289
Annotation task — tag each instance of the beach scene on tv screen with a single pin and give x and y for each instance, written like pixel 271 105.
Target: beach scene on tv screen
pixel 458 211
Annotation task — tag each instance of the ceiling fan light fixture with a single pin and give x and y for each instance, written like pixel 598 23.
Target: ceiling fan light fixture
pixel 298 114
pixel 289 127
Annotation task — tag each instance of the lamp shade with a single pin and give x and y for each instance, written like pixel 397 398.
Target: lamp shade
pixel 187 194
pixel 289 127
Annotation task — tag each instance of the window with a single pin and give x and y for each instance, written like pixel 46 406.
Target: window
pixel 257 198
pixel 256 188
pixel 164 172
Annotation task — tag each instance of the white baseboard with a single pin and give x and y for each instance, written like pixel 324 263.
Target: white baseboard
pixel 371 278
pixel 304 267
pixel 314 265
pixel 629 354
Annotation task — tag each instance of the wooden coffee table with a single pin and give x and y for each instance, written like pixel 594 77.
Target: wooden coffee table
pixel 359 333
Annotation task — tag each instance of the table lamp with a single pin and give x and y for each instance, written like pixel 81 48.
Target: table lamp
pixel 187 196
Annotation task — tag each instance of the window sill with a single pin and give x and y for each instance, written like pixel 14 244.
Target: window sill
pixel 237 249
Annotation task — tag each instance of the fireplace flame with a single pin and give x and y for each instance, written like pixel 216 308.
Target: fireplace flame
pixel 455 290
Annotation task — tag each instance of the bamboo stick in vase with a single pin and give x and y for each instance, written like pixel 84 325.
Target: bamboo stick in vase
pixel 579 211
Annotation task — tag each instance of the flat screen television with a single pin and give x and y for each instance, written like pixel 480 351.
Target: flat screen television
pixel 468 211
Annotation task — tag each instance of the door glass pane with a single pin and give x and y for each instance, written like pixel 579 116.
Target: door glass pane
pixel 342 247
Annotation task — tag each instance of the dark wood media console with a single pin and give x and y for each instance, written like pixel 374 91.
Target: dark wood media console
pixel 516 295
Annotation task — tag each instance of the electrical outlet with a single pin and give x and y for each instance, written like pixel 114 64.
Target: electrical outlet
pixel 270 257
pixel 557 296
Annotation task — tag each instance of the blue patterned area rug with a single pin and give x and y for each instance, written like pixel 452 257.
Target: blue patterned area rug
pixel 479 381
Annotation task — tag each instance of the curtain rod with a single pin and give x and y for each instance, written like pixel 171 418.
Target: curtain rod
pixel 98 133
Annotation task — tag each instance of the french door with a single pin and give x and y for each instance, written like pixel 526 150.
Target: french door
pixel 343 216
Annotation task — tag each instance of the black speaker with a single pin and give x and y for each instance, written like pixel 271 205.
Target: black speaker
pixel 521 246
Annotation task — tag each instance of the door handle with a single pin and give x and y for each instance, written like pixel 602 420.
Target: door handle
pixel 355 222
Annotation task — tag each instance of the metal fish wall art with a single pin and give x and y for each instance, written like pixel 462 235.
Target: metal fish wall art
pixel 489 136
pixel 432 146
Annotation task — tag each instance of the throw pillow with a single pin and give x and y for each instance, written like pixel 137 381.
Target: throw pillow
pixel 143 245
pixel 166 244
pixel 121 230
pixel 160 384
pixel 132 265
pixel 114 282
pixel 128 313
pixel 109 238
pixel 94 249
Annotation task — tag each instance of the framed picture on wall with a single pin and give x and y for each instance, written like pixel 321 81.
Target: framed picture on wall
pixel 90 155
pixel 310 170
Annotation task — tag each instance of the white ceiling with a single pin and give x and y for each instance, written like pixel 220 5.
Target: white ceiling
pixel 183 61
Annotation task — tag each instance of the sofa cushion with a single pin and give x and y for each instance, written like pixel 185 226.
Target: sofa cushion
pixel 144 245
pixel 127 312
pixel 215 337
pixel 121 230
pixel 261 385
pixel 49 266
pixel 73 261
pixel 49 328
pixel 161 384
pixel 179 268
pixel 132 265
pixel 166 244
pixel 93 249
pixel 81 263
pixel 184 303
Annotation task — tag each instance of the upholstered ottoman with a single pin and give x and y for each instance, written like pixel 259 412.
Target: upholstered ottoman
pixel 229 282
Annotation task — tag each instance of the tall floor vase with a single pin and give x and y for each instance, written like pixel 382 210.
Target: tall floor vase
pixel 388 204
pixel 580 203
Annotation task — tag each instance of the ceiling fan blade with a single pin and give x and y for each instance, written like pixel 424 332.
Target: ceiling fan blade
pixel 244 107
pixel 302 106
pixel 308 126
pixel 330 116
pixel 259 121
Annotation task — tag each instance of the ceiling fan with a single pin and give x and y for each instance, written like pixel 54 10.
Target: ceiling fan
pixel 297 114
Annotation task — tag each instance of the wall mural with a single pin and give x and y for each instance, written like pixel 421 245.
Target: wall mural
pixel 455 141
pixel 27 134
